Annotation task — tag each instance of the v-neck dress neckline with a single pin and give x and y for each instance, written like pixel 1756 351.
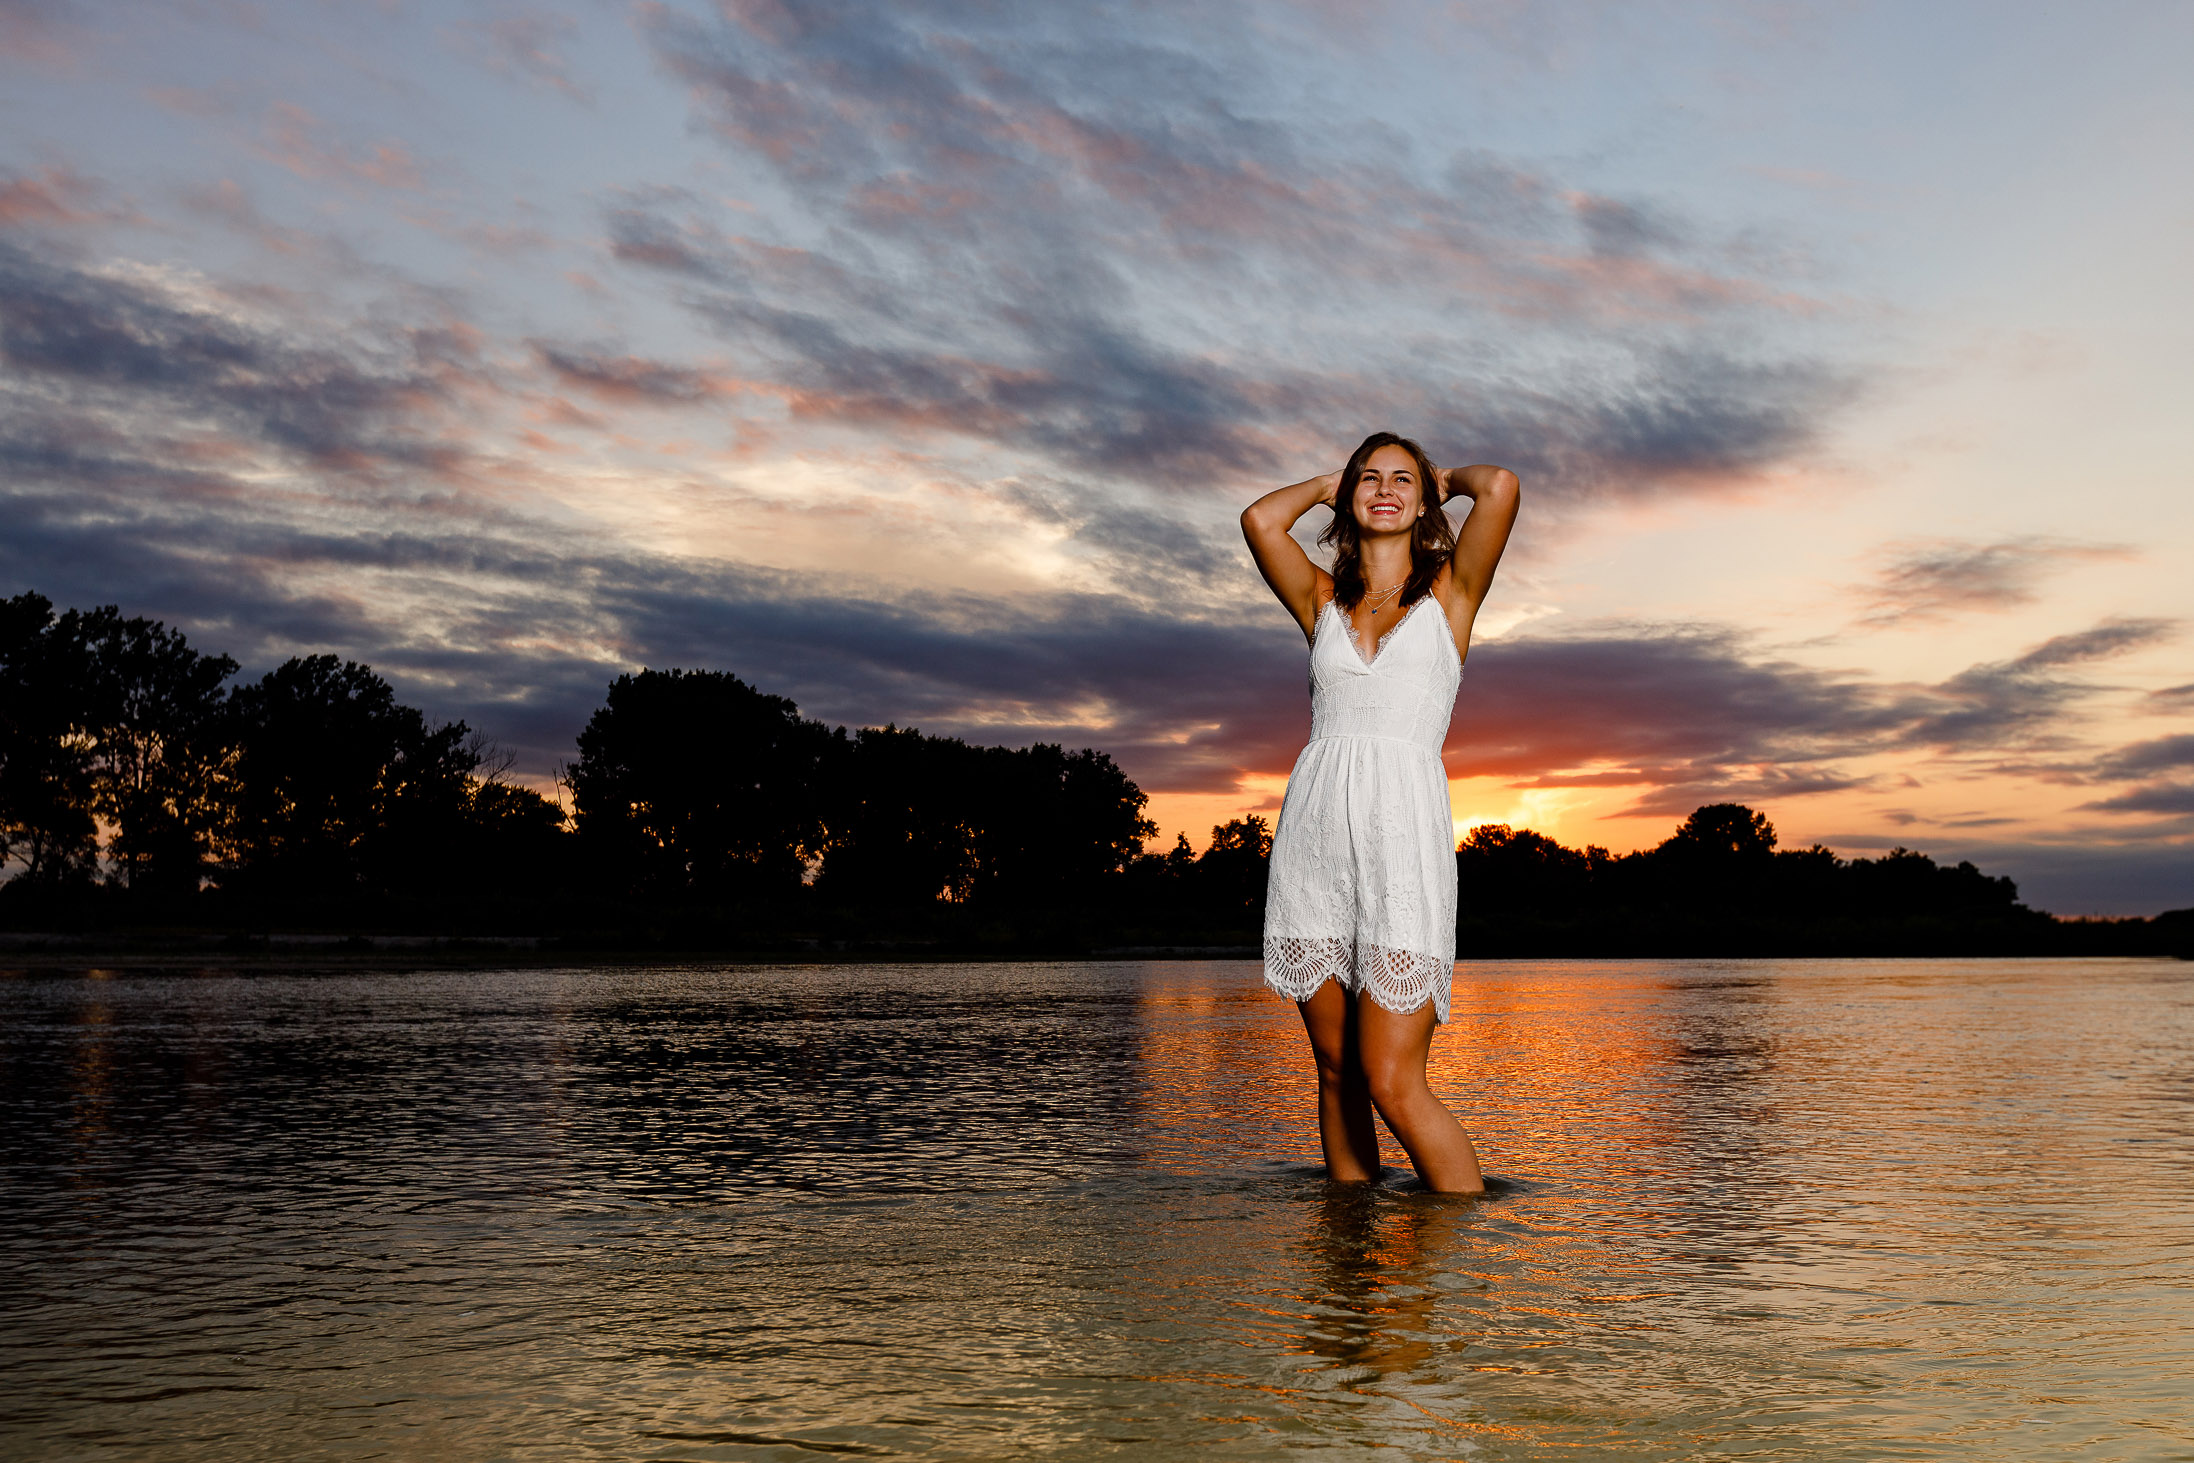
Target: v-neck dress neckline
pixel 1378 648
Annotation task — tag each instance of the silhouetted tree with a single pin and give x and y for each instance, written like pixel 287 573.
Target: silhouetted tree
pixel 1722 856
pixel 1904 883
pixel 1718 884
pixel 1050 824
pixel 1510 872
pixel 901 830
pixel 515 843
pixel 335 788
pixel 919 819
pixel 46 774
pixel 1231 873
pixel 1215 896
pixel 1179 859
pixel 1807 882
pixel 1722 834
pixel 693 783
pixel 151 707
pixel 1157 891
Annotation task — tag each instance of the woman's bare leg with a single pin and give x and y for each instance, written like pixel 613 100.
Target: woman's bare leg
pixel 1345 1129
pixel 1392 1051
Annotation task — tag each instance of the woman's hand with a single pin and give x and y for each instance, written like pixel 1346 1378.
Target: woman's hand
pixel 1329 488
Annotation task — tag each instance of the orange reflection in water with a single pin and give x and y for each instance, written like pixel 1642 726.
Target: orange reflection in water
pixel 1530 1063
pixel 1376 1263
pixel 1602 1087
pixel 1539 1066
pixel 91 1069
pixel 1225 1067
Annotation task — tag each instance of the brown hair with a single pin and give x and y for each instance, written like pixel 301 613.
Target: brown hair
pixel 1431 542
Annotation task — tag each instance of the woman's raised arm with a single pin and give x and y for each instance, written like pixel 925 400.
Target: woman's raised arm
pixel 1493 493
pixel 1297 582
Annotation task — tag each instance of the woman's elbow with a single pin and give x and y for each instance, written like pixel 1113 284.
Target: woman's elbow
pixel 1501 487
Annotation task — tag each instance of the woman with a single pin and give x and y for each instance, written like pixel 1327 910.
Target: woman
pixel 1360 900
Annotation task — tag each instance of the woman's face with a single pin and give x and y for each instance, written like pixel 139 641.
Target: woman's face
pixel 1387 493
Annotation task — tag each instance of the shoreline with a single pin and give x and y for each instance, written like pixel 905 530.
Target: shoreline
pixel 33 951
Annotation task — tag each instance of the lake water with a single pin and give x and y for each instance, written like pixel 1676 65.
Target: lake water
pixel 1756 1209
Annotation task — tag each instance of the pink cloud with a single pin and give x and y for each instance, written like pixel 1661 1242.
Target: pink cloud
pixel 526 47
pixel 298 141
pixel 56 195
pixel 228 203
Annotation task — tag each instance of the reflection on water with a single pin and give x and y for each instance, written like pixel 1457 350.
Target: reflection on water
pixel 1856 1209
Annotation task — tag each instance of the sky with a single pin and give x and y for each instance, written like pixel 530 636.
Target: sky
pixel 915 360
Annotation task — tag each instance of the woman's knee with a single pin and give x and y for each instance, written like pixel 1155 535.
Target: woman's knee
pixel 1329 1020
pixel 1337 1069
pixel 1394 1081
pixel 1393 1049
pixel 1336 1058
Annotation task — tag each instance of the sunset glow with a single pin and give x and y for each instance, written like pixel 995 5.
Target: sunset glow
pixel 914 362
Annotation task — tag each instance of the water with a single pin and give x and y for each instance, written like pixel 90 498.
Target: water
pixel 1756 1209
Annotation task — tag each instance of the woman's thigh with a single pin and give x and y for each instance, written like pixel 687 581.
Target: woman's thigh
pixel 1330 1018
pixel 1393 1048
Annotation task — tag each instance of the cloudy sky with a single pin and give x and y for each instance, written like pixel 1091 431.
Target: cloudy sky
pixel 913 360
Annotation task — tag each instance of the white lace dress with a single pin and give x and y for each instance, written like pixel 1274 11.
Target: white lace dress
pixel 1361 888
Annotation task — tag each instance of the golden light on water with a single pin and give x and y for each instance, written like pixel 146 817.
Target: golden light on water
pixel 1740 1206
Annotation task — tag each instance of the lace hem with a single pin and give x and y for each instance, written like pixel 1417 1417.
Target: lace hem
pixel 1401 981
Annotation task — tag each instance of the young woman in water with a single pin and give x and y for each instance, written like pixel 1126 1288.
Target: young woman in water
pixel 1360 899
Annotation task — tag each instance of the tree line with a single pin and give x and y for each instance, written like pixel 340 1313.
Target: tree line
pixel 140 780
pixel 143 783
pixel 1719 884
pixel 135 777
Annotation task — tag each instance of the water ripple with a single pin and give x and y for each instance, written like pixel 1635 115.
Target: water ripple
pixel 1830 1209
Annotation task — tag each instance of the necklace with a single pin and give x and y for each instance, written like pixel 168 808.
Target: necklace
pixel 1377 602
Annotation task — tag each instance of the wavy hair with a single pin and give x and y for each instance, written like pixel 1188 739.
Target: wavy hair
pixel 1431 542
